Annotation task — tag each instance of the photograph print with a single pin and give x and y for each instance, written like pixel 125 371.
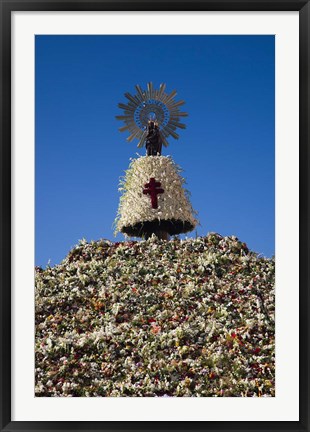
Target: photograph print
pixel 155 216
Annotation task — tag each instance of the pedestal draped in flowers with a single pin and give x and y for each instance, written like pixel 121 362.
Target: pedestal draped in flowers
pixel 153 198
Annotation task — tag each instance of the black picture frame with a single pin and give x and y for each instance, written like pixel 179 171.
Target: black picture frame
pixel 9 6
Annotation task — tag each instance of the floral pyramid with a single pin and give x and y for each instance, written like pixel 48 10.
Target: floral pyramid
pixel 190 317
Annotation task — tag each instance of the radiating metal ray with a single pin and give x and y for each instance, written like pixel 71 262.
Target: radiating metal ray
pixel 123 106
pixel 133 136
pixel 142 139
pixel 150 90
pixel 131 98
pixel 176 104
pixel 171 96
pixel 182 114
pixel 165 142
pixel 140 92
pixel 123 117
pixel 161 90
pixel 123 128
pixel 179 125
pixel 173 134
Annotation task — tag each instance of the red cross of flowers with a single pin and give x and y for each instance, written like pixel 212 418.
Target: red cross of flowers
pixel 153 189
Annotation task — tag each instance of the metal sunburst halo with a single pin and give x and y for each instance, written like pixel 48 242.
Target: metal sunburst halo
pixel 151 104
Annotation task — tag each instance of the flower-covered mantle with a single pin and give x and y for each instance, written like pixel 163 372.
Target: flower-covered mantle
pixel 172 211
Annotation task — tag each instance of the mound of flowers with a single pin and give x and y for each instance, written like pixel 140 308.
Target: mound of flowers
pixel 190 317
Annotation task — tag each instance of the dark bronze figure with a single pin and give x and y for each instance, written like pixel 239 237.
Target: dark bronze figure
pixel 153 141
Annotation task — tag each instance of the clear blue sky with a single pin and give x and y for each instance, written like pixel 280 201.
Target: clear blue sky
pixel 227 150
